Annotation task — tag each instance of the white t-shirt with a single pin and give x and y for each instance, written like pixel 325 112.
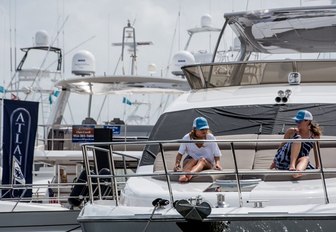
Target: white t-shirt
pixel 209 149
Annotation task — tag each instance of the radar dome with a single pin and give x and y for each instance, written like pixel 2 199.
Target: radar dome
pixel 182 58
pixel 206 21
pixel 41 38
pixel 151 68
pixel 83 63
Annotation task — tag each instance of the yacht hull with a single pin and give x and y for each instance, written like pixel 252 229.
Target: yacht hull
pixel 214 225
pixel 309 217
pixel 39 221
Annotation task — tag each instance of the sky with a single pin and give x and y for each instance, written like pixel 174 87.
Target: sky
pixel 75 25
pixel 93 25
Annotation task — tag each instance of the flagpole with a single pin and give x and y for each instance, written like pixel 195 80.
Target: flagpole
pixel 124 118
pixel 3 92
pixel 124 113
pixel 1 120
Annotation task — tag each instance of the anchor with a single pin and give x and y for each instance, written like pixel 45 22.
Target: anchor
pixel 194 211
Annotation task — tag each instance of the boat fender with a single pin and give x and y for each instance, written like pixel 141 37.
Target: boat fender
pixel 79 192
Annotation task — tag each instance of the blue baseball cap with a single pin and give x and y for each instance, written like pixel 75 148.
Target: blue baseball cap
pixel 303 115
pixel 200 123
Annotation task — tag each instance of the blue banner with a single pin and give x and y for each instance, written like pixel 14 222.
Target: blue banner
pixel 115 129
pixel 19 132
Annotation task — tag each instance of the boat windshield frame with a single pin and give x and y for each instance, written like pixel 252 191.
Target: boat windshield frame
pixel 285 30
pixel 215 75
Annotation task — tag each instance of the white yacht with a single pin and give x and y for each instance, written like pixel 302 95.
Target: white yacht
pixel 285 63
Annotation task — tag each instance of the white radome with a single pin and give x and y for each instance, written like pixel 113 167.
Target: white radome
pixel 83 63
pixel 182 58
pixel 206 21
pixel 41 38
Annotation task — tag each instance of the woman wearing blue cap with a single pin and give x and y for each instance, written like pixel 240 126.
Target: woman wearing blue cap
pixel 294 156
pixel 200 156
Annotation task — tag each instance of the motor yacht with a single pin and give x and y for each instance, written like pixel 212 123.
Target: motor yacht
pixel 285 63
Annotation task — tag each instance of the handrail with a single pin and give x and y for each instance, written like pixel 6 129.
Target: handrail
pixel 49 139
pixel 114 190
pixel 322 176
pixel 34 197
pixel 167 176
pixel 236 172
pixel 237 175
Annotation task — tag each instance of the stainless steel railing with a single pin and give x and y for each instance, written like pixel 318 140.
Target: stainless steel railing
pixel 86 147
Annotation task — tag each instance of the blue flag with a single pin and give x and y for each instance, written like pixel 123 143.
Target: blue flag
pixel 2 89
pixel 126 101
pixel 19 132
pixel 56 93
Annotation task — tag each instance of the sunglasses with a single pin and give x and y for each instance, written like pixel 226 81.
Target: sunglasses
pixel 299 121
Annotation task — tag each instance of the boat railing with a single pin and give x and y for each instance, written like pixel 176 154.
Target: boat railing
pixel 111 178
pixel 61 136
pixel 36 195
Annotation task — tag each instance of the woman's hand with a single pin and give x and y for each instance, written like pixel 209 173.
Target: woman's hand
pixel 218 167
pixel 177 168
pixel 217 164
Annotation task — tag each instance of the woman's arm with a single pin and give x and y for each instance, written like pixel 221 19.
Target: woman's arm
pixel 217 163
pixel 178 162
pixel 289 134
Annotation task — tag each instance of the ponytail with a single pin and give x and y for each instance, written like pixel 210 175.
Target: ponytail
pixel 315 129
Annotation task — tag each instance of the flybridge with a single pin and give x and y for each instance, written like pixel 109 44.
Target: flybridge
pixel 308 31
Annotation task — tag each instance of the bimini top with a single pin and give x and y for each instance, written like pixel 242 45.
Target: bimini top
pixel 286 30
pixel 123 84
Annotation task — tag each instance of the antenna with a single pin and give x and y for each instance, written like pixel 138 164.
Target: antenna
pixel 129 33
pixel 15 33
pixel 172 43
pixel 10 39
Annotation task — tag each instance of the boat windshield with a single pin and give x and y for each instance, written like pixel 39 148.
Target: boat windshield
pixel 287 30
pixel 259 73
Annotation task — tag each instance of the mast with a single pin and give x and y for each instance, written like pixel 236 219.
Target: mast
pixel 129 33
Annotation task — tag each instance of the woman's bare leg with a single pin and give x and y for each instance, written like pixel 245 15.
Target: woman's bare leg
pixel 301 165
pixel 201 165
pixel 187 167
pixel 295 149
pixel 194 166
